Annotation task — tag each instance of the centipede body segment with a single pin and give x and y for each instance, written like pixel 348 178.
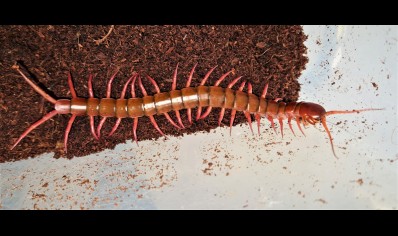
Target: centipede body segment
pixel 202 96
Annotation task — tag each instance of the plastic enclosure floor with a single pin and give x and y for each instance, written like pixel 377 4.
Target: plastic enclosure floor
pixel 349 67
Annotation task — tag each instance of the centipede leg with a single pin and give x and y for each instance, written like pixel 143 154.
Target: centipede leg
pixel 233 113
pixel 173 87
pixel 198 116
pixel 217 83
pixel 143 90
pixel 135 125
pixel 258 119
pixel 34 126
pixel 281 125
pixel 122 95
pixel 290 125
pixel 272 123
pixel 108 95
pixel 157 89
pixel 91 95
pixel 298 124
pixel 67 130
pixel 189 110
pixel 247 114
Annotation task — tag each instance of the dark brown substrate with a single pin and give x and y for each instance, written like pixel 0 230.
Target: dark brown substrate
pixel 262 54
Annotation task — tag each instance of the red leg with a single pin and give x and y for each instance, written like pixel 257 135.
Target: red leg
pixel 233 82
pixel 249 119
pixel 221 116
pixel 233 113
pixel 258 118
pixel 298 124
pixel 207 112
pixel 264 91
pixel 290 125
pixel 198 113
pixel 122 95
pixel 281 125
pixel 92 127
pixel 153 121
pixel 222 78
pixel 231 121
pixel 71 87
pixel 272 123
pixel 174 84
pixel 190 76
pixel 99 127
pixel 67 130
pixel 165 114
pixel 34 126
pixel 179 119
pixel 135 125
pixel 135 129
pixel 189 110
pixel 207 76
pixel 109 86
pixel 90 86
pixel 171 121
pixel 189 114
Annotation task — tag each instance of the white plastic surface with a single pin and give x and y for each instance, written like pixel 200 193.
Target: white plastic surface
pixel 246 171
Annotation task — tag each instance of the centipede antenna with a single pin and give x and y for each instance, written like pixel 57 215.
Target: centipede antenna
pixel 353 111
pixel 35 86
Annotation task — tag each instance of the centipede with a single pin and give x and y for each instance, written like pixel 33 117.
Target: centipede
pixel 203 97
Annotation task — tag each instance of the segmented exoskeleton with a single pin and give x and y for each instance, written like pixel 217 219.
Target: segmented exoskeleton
pixel 175 100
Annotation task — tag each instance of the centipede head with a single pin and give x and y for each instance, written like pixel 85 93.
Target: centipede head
pixel 314 113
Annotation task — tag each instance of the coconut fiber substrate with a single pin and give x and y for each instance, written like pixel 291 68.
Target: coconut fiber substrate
pixel 261 54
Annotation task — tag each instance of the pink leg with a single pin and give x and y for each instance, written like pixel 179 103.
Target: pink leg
pixel 207 112
pixel 153 121
pixel 233 113
pixel 173 87
pixel 67 130
pixel 171 121
pixel 92 127
pixel 230 85
pixel 99 127
pixel 189 111
pixel 207 76
pixel 247 114
pixel 71 87
pixel 298 124
pixel 221 116
pixel 290 125
pixel 153 82
pixel 108 95
pixel 179 119
pixel 135 129
pixel 281 124
pixel 216 84
pixel 189 114
pixel 135 125
pixel 264 91
pixel 249 119
pixel 91 95
pixel 258 118
pixel 34 126
pixel 122 95
pixel 198 116
pixel 272 123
